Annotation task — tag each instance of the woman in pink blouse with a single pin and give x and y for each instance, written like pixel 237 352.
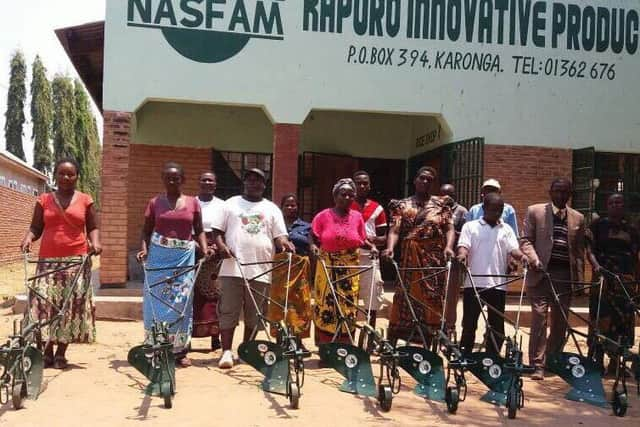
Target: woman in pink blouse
pixel 336 235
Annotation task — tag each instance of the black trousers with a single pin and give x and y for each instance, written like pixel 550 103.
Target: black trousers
pixel 495 298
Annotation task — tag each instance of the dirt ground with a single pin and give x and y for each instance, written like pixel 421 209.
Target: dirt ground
pixel 101 389
pixel 12 277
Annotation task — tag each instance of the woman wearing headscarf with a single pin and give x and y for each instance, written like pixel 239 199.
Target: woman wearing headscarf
pixel 423 226
pixel 167 245
pixel 65 219
pixel 337 233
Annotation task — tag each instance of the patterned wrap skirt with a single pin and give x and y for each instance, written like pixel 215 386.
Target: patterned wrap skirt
pixel 427 287
pixel 168 297
pixel 78 322
pixel 205 300
pixel 617 313
pixel 325 312
pixel 299 299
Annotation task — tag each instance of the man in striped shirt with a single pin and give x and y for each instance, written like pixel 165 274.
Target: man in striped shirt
pixel 553 239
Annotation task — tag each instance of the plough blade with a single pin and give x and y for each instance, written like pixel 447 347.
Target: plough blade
pixel 267 358
pixel 354 364
pixel 489 369
pixel 427 369
pixel 582 375
pixel 34 365
pixel 158 375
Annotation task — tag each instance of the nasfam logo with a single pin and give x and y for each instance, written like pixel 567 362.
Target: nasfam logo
pixel 209 31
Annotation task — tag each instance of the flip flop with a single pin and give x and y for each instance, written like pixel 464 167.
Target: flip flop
pixel 59 362
pixel 48 361
pixel 183 362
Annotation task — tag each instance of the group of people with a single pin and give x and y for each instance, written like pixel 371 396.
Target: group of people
pixel 238 240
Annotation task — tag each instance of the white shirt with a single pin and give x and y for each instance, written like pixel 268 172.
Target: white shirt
pixel 250 228
pixel 209 211
pixel 489 248
pixel 370 225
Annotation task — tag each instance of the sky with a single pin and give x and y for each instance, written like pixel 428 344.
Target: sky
pixel 29 25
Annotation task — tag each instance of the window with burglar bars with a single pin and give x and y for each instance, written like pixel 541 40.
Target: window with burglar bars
pixel 583 181
pixel 230 167
pixel 459 163
pixel 618 173
pixel 463 166
pixel 597 175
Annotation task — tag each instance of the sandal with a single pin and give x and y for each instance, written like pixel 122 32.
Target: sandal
pixel 183 362
pixel 59 362
pixel 48 360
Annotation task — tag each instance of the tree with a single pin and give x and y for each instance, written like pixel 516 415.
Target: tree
pixel 87 146
pixel 64 117
pixel 15 105
pixel 42 117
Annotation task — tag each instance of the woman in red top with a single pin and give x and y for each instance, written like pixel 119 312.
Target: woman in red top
pixel 64 219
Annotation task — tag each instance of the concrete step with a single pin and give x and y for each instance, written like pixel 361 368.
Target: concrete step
pixel 107 307
pixel 126 304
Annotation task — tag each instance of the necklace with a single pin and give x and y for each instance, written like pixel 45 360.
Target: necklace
pixel 58 201
pixel 177 204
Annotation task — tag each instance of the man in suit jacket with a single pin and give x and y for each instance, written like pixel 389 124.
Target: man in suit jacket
pixel 553 239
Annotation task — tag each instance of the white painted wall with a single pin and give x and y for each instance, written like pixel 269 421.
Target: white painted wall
pixel 309 70
pixel 14 177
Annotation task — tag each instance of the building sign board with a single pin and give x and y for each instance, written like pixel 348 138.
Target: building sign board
pixel 515 71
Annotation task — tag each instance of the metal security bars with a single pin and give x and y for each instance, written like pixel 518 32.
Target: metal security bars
pixel 230 167
pixel 459 163
pixel 597 175
pixel 583 181
pixel 462 164
pixel 618 173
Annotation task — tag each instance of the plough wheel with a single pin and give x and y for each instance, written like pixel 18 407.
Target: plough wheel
pixel 385 397
pixel 294 396
pixel 166 393
pixel 18 393
pixel 452 397
pixel 513 402
pixel 620 404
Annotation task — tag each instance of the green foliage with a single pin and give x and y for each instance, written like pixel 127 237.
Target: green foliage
pixel 64 117
pixel 15 105
pixel 87 146
pixel 42 117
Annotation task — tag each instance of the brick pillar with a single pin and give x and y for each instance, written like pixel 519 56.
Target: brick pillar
pixel 114 198
pixel 286 138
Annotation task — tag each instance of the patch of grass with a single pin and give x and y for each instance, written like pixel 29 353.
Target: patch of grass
pixel 12 277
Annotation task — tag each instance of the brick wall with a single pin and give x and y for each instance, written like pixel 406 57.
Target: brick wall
pixel 114 197
pixel 526 172
pixel 145 167
pixel 16 210
pixel 286 138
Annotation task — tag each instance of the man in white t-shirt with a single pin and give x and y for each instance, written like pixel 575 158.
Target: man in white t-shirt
pixel 484 246
pixel 253 227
